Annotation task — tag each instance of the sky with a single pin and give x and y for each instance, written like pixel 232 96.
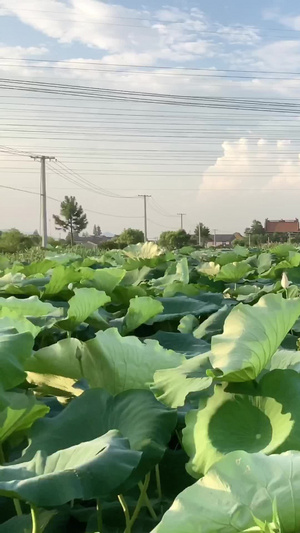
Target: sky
pixel 222 147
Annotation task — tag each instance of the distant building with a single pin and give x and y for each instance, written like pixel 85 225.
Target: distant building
pixel 91 241
pixel 282 226
pixel 224 239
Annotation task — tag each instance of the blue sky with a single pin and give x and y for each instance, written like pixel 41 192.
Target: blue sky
pixel 240 167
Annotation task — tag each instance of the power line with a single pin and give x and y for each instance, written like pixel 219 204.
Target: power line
pixel 89 184
pixel 258 104
pixel 28 192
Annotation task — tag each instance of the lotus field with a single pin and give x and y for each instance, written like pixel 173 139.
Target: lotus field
pixel 150 391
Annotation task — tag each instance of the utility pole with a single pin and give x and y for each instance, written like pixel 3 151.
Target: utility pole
pixel 215 238
pixel 145 196
pixel 43 159
pixel 200 234
pixel 181 215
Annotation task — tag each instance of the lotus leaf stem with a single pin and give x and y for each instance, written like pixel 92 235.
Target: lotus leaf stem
pixel 158 482
pixel 18 507
pixel 141 499
pixel 2 457
pixel 35 520
pixel 126 513
pixel 99 516
pixel 149 504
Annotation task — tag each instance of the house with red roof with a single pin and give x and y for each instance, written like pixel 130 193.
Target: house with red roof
pixel 282 226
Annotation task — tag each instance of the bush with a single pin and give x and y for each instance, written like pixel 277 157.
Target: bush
pixel 174 239
pixel 130 236
pixel 13 241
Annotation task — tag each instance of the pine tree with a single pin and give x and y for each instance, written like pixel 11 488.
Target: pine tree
pixel 75 219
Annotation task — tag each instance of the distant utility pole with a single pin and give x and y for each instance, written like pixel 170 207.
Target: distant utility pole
pixel 145 196
pixel 215 238
pixel 199 228
pixel 181 215
pixel 43 159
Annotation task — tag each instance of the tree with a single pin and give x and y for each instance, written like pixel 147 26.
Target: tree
pixel 14 241
pixel 97 231
pixel 131 236
pixel 75 219
pixel 256 228
pixel 204 233
pixel 174 239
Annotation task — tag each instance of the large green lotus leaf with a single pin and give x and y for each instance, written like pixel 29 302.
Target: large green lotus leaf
pixel 179 306
pixel 177 287
pixel 118 363
pixel 21 412
pixel 227 422
pixel 62 359
pixel 294 258
pixel 135 277
pixel 105 279
pixel 61 277
pixel 109 361
pixel 49 385
pixel 241 251
pixel 171 386
pixel 187 324
pixel 252 334
pixel 183 343
pixel 282 250
pixel 15 349
pixel 264 262
pixel 213 325
pixel 12 320
pixel 181 275
pixel 29 306
pixel 140 311
pixel 62 259
pixel 227 257
pixel 92 469
pixel 233 272
pixel 285 359
pixel 284 387
pixel 100 319
pixel 237 489
pixel 122 295
pixel 137 415
pixel 85 302
pixel 38 267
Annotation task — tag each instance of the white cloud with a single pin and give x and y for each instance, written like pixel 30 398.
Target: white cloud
pixel 252 164
pixel 279 55
pixel 283 143
pixel 253 179
pixel 18 52
pixel 168 33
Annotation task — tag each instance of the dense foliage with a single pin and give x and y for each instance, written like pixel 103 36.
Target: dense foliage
pixel 174 239
pixel 130 236
pixel 150 391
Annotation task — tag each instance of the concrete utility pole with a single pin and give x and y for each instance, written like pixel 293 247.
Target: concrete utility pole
pixel 200 234
pixel 145 196
pixel 42 159
pixel 181 215
pixel 215 238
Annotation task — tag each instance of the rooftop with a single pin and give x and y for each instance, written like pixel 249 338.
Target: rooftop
pixel 282 226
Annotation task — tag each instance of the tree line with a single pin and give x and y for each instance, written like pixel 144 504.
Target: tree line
pixel 73 221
